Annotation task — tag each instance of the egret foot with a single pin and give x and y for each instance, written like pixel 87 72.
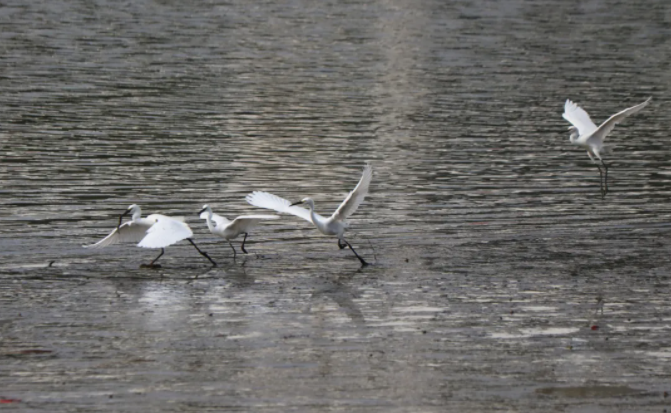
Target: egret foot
pixel 203 253
pixel 361 260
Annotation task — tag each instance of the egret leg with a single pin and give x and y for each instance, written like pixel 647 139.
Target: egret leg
pixel 603 192
pixel 341 246
pixel 232 247
pixel 591 156
pixel 243 243
pixel 605 181
pixel 204 254
pixel 363 263
pixel 151 264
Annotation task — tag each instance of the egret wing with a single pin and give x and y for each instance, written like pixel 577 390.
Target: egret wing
pixel 578 118
pixel 218 219
pixel 605 128
pixel 166 231
pixel 274 202
pixel 128 232
pixel 355 198
pixel 244 223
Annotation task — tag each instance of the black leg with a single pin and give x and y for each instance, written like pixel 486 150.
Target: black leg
pixel 363 263
pixel 243 244
pixel 151 264
pixel 340 245
pixel 605 181
pixel 233 248
pixel 603 193
pixel 204 254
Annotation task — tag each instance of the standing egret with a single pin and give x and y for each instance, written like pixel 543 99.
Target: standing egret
pixel 335 224
pixel 229 230
pixel 586 134
pixel 155 231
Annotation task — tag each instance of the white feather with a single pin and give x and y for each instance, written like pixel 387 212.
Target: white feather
pixel 335 224
pixel 598 136
pixel 218 219
pixel 166 231
pixel 128 232
pixel 269 201
pixel 578 118
pixel 356 197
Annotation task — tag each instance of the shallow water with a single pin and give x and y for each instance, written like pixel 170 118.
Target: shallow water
pixel 501 280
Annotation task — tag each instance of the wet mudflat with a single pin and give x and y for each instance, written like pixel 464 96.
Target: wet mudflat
pixel 501 281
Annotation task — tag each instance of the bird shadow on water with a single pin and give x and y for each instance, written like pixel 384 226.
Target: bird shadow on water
pixel 341 290
pixel 234 272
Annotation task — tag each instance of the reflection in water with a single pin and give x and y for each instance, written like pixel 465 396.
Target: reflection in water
pixel 340 292
pixel 491 241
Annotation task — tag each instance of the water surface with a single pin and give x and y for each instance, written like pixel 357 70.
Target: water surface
pixel 494 254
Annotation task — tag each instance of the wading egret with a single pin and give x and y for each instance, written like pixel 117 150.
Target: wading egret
pixel 155 231
pixel 586 134
pixel 335 224
pixel 229 230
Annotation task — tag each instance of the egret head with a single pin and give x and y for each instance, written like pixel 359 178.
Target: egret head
pixel 574 133
pixel 307 201
pixel 134 210
pixel 205 211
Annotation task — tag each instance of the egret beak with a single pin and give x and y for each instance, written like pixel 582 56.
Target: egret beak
pixel 121 217
pixel 201 211
pixel 296 203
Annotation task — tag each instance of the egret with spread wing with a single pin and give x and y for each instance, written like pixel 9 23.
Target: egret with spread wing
pixel 154 231
pixel 229 230
pixel 333 225
pixel 586 134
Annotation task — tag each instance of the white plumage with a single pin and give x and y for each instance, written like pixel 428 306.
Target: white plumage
pixel 165 231
pixel 586 134
pixel 229 230
pixel 154 231
pixel 589 135
pixel 335 224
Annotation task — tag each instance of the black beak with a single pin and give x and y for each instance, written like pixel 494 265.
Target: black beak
pixel 201 211
pixel 121 217
pixel 296 203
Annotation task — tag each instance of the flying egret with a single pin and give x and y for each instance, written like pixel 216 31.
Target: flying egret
pixel 229 230
pixel 586 134
pixel 155 231
pixel 335 224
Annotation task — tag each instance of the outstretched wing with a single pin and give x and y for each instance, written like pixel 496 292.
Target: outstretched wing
pixel 274 202
pixel 355 198
pixel 166 231
pixel 578 118
pixel 606 127
pixel 218 219
pixel 128 232
pixel 245 223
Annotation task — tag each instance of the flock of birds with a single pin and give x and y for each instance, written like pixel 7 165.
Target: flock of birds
pixel 160 231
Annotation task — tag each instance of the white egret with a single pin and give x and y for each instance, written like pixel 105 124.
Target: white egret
pixel 155 231
pixel 229 230
pixel 335 224
pixel 586 134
